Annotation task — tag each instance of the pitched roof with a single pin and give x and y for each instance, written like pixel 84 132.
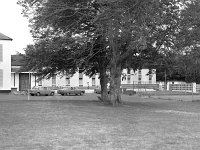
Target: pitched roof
pixel 4 37
pixel 17 60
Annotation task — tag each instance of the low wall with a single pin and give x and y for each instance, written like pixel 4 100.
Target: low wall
pixel 148 87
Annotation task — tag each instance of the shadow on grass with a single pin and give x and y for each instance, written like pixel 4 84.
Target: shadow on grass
pixel 62 102
pixel 81 103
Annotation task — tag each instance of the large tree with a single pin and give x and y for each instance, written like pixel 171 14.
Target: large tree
pixel 118 32
pixel 132 25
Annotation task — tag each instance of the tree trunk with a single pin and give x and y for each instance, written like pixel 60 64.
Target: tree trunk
pixel 104 90
pixel 115 65
pixel 103 83
pixel 115 83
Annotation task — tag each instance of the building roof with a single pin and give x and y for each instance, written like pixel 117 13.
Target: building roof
pixel 17 60
pixel 15 70
pixel 4 37
pixel 17 63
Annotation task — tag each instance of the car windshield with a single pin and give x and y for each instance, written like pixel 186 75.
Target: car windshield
pixel 35 87
pixel 40 88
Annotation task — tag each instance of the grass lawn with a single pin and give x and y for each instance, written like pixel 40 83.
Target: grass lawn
pixel 69 123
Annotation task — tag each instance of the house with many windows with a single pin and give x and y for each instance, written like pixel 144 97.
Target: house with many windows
pixel 5 63
pixel 22 81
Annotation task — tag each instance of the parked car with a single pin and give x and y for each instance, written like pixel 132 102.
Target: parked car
pixel 98 91
pixel 71 91
pixel 129 92
pixel 41 90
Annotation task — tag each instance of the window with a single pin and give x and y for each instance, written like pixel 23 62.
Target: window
pixel 80 77
pixel 14 80
pixel 93 82
pixel 81 73
pixel 150 79
pixel 1 52
pixel 1 77
pixel 80 81
pixel 40 82
pixel 139 71
pixel 139 79
pixel 67 81
pixel 35 80
pixel 80 70
pixel 128 71
pixel 128 79
pixel 54 80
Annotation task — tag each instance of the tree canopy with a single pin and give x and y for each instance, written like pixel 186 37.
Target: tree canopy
pixel 115 34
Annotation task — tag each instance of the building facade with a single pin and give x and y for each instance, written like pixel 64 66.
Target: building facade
pixel 21 81
pixel 5 63
pixel 140 76
pixel 78 79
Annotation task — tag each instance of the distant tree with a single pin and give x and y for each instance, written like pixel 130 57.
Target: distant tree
pixel 188 64
pixel 183 63
pixel 189 42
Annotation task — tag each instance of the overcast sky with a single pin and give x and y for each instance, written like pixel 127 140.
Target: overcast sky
pixel 14 25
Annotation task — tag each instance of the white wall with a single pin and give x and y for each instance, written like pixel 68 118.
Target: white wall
pixel 15 80
pixel 6 64
pixel 74 81
pixel 134 76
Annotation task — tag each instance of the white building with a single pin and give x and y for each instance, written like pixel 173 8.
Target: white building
pixel 138 77
pixel 78 79
pixel 21 82
pixel 5 63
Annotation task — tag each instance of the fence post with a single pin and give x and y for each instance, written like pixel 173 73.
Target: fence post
pixel 160 86
pixel 194 87
pixel 168 86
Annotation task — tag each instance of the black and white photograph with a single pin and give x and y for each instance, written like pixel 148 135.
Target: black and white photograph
pixel 99 74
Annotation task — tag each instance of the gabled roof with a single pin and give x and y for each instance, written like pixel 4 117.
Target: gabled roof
pixel 4 37
pixel 17 60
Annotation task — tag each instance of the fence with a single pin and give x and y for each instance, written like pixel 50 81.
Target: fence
pixel 198 88
pixel 182 87
pixel 144 87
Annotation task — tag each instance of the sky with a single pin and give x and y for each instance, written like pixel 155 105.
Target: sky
pixel 14 25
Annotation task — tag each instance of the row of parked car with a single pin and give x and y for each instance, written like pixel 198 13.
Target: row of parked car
pixel 42 90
